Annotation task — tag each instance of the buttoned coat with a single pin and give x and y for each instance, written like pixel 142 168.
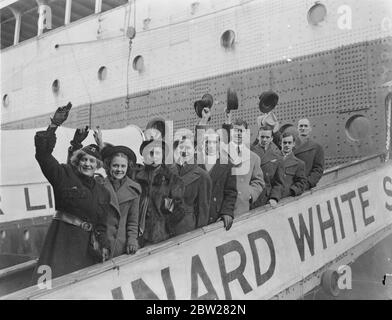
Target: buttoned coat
pixel 269 162
pixel 197 197
pixel 312 154
pixel 123 216
pixel 290 178
pixel 155 220
pixel 224 190
pixel 249 178
pixel 66 247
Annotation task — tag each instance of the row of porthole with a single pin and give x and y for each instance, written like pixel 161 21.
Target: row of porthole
pixel 26 234
pixel 316 14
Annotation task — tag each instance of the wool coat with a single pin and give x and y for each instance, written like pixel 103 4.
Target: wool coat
pixel 123 216
pixel 312 154
pixel 66 247
pixel 289 178
pixel 269 162
pixel 197 197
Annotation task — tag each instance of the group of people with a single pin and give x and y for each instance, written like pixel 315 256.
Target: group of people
pixel 212 177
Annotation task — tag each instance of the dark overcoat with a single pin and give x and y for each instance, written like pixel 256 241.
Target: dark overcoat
pixel 269 162
pixel 197 196
pixel 123 216
pixel 155 220
pixel 66 247
pixel 289 178
pixel 224 190
pixel 312 154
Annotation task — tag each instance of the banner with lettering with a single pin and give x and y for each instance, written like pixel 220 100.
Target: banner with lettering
pixel 261 255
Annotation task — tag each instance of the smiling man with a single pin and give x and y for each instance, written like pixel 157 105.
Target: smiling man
pixel 250 179
pixel 270 157
pixel 311 153
pixel 290 176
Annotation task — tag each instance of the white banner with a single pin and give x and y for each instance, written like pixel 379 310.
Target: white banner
pixel 260 256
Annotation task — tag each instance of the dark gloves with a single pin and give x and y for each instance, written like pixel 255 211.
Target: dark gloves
pixel 79 136
pixel 61 115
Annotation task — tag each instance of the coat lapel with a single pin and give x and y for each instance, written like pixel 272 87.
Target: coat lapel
pixel 306 146
pixel 188 173
pixel 113 197
pixel 290 160
pixel 128 191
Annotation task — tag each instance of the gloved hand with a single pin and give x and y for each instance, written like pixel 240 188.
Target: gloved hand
pixel 98 137
pixel 132 248
pixel 79 136
pixel 61 115
pixel 227 221
pixel 105 254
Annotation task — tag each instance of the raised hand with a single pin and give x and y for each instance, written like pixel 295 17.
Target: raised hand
pixel 98 137
pixel 80 135
pixel 61 115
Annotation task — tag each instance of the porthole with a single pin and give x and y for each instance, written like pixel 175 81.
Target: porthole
pixel 227 39
pixel 102 73
pixel 3 234
pixel 56 86
pixel 357 127
pixel 317 13
pixel 6 100
pixel 138 63
pixel 26 235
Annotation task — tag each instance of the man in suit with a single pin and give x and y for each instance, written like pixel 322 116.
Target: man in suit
pixel 270 157
pixel 311 153
pixel 224 183
pixel 290 177
pixel 250 180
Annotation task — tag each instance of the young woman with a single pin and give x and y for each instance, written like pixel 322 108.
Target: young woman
pixel 81 205
pixel 161 202
pixel 123 218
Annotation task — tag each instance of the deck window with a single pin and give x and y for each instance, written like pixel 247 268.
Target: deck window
pixel 29 24
pixel 110 4
pixel 81 9
pixel 58 13
pixel 7 29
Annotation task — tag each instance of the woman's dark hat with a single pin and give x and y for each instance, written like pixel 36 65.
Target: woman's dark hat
pixel 154 143
pixel 206 102
pixel 109 151
pixel 268 101
pixel 92 150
